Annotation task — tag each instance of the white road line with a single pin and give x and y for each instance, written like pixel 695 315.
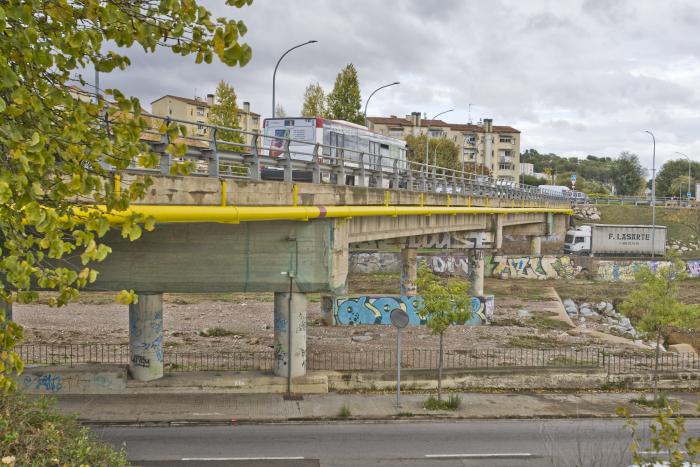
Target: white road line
pixel 478 456
pixel 204 459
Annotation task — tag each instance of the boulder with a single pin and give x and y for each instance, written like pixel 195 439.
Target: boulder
pixel 587 312
pixel 625 323
pixel 567 302
pixel 523 313
pixel 601 306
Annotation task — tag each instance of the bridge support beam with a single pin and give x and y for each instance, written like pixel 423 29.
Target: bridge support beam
pixel 409 271
pixel 290 334
pixel 6 309
pixel 146 337
pixel 476 272
pixel 536 246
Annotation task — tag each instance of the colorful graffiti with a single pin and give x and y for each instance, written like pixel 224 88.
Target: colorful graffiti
pixel 365 309
pixel 447 264
pixel 531 267
pixel 614 271
pixel 693 267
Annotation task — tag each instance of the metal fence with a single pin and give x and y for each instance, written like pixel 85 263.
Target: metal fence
pixel 282 158
pixel 427 359
pixel 635 201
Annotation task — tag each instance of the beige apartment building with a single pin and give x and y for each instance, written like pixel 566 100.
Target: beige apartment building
pixel 197 111
pixel 495 147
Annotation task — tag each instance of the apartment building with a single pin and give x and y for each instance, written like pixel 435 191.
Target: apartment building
pixel 495 147
pixel 197 111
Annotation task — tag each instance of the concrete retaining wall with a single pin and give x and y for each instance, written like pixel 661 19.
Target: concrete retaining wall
pixel 84 379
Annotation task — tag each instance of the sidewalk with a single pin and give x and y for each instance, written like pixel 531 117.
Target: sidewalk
pixel 260 408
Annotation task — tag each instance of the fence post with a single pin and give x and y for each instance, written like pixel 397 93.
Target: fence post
pixel 213 162
pixel 254 169
pixel 287 162
pixel 316 176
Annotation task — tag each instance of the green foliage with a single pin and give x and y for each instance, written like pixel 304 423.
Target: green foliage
pixel 344 101
pixel 628 174
pixel 664 444
pixel 673 169
pixel 314 102
pixel 679 186
pixel 658 403
pixel 533 181
pixel 33 433
pixel 54 140
pixel 452 403
pixel 344 412
pixel 224 112
pixel 279 111
pixel 441 152
pixel 446 302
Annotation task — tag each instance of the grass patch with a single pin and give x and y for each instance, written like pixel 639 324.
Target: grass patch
pixel 344 412
pixel 451 403
pixel 406 414
pixel 545 322
pixel 219 332
pixel 613 385
pixel 506 322
pixel 659 403
pixel 532 342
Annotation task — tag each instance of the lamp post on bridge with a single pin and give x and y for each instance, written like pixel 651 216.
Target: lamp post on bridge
pixel 274 74
pixel 653 194
pixel 373 92
pixel 689 167
pixel 427 135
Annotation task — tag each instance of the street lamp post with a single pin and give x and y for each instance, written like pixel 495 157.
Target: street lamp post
pixel 274 74
pixel 653 194
pixel 373 92
pixel 427 136
pixel 689 166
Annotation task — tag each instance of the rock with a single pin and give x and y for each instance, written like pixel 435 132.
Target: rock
pixel 568 303
pixel 254 341
pixel 594 217
pixel 364 338
pixel 523 314
pixel 601 306
pixel 609 307
pixel 587 312
pixel 266 326
pixel 625 323
pixel 682 349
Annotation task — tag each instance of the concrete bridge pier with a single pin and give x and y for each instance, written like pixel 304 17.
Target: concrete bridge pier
pixel 409 271
pixel 536 246
pixel 290 334
pixel 146 337
pixel 477 267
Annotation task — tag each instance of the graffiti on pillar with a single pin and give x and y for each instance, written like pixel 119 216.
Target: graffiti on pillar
pixel 140 360
pixel 365 309
pixel 531 267
pixel 281 355
pixel 447 264
pixel 457 240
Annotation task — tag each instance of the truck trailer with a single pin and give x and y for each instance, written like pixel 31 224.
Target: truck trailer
pixel 616 240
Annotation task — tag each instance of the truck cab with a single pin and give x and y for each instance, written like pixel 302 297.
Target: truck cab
pixel 578 241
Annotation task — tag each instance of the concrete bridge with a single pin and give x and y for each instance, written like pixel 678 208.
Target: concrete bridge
pixel 230 231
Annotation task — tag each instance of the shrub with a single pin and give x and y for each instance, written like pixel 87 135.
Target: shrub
pixel 344 412
pixel 33 433
pixel 452 403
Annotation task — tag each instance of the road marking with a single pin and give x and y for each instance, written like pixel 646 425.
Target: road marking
pixel 478 456
pixel 204 459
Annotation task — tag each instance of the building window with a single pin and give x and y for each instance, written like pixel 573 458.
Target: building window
pixel 255 120
pixel 506 139
pixel 200 111
pixel 469 155
pixel 396 132
pixel 469 139
pixel 505 167
pixel 436 133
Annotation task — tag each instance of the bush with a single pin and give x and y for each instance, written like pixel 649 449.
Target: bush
pixel 344 412
pixel 32 433
pixel 452 403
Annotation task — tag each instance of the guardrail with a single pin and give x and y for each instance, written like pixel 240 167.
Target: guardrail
pixel 289 159
pixel 636 201
pixel 425 359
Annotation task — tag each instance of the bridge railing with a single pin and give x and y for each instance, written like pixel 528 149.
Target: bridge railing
pixel 290 160
pixel 636 201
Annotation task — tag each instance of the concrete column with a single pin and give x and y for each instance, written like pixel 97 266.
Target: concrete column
pixel 290 325
pixel 146 337
pixel 409 271
pixel 536 246
pixel 6 308
pixel 476 272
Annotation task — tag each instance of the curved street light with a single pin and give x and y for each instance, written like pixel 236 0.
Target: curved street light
pixel 274 74
pixel 653 194
pixel 689 166
pixel 427 135
pixel 373 92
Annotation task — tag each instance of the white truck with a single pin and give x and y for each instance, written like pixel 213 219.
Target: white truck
pixel 616 240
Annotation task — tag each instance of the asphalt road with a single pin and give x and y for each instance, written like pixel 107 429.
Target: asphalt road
pixel 412 444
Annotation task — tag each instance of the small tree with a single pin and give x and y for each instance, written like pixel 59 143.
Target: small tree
pixel 446 302
pixel 279 111
pixel 314 101
pixel 657 309
pixel 224 112
pixel 345 102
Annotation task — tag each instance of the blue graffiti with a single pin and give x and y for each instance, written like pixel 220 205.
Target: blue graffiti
pixel 377 309
pixel 47 382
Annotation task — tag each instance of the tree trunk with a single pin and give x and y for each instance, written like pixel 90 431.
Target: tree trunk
pixel 656 365
pixel 439 388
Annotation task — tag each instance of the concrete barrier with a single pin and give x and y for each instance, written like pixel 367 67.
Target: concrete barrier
pixel 83 379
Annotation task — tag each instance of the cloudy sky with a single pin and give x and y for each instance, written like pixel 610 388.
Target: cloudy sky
pixel 577 77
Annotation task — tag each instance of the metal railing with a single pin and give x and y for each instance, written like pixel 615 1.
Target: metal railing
pixel 634 201
pixel 425 359
pixel 289 159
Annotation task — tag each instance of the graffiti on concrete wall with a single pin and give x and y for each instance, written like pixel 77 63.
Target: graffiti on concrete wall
pixel 447 264
pixel 531 267
pixel 615 271
pixel 693 267
pixel 365 309
pixel 56 383
pixel 457 240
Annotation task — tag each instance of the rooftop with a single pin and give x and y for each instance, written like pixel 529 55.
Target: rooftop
pixel 466 127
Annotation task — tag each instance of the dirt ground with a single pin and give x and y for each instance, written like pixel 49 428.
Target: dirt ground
pixel 247 320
